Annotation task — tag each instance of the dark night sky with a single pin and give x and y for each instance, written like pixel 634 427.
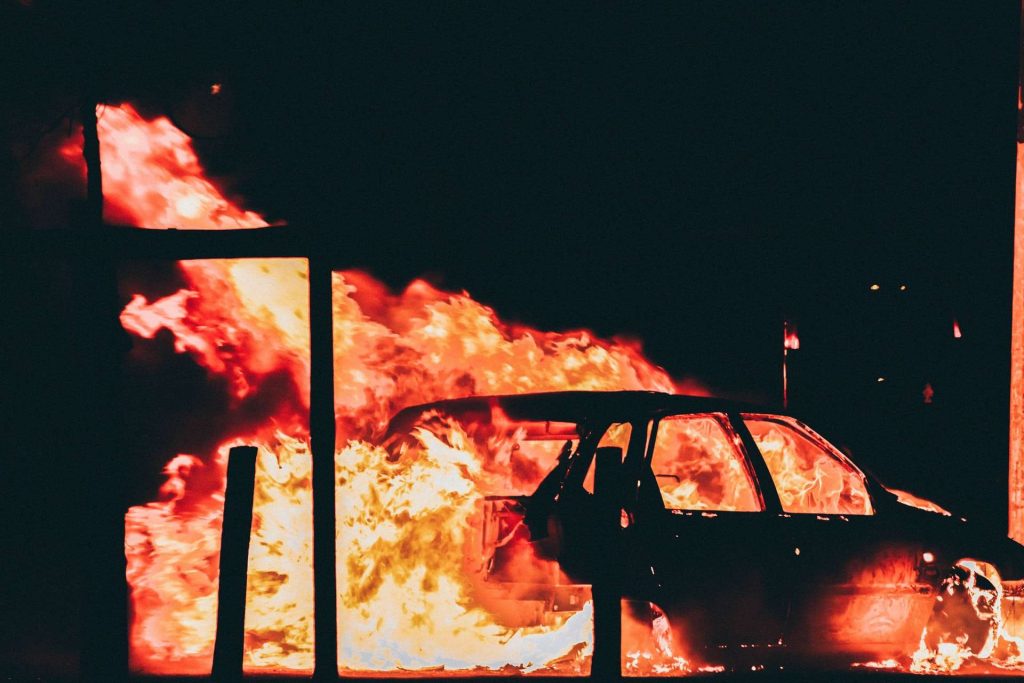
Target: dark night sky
pixel 684 173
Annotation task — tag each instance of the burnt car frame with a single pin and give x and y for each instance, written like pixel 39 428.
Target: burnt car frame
pixel 755 566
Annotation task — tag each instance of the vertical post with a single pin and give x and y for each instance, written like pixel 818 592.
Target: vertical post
pixel 785 378
pixel 321 423
pixel 229 647
pixel 789 341
pixel 91 153
pixel 1016 474
pixel 785 364
pixel 607 590
pixel 101 343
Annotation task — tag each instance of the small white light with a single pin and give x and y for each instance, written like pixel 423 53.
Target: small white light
pixel 928 557
pixel 903 288
pixel 880 380
pixel 875 287
pixel 796 551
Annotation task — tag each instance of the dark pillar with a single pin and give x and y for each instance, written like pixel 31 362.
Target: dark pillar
pixel 91 153
pixel 607 591
pixel 321 423
pixel 229 648
pixel 99 347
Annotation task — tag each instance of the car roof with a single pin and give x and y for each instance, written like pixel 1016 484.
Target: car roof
pixel 571 406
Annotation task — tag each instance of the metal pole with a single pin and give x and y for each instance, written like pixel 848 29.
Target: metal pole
pixel 229 647
pixel 322 435
pixel 785 356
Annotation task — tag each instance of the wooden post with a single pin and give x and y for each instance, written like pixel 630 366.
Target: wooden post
pixel 228 650
pixel 91 153
pixel 322 429
pixel 101 343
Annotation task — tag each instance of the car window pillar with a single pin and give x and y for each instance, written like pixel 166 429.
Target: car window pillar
pixel 636 457
pixel 762 475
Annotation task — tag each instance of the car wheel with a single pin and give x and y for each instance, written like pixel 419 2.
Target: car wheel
pixel 967 617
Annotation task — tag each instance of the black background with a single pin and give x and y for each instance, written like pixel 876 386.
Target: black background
pixel 687 174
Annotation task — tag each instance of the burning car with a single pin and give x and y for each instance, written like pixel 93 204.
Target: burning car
pixel 744 532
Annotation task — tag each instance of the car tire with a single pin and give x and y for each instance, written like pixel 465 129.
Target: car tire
pixel 967 610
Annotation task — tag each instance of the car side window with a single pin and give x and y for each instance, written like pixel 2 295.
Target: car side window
pixel 807 474
pixel 699 466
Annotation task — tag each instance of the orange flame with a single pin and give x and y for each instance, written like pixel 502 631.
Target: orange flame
pixel 419 346
pixel 790 339
pixel 153 178
pixel 808 478
pixel 652 647
pixel 968 632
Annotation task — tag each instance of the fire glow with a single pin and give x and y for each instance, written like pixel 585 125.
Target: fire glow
pixel 411 596
pixel 400 597
pixel 152 177
pixel 403 604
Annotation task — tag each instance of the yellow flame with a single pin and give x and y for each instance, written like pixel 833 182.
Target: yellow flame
pixel 245 321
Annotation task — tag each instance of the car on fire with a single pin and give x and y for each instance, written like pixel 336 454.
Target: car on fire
pixel 744 528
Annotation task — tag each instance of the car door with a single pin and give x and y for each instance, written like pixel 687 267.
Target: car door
pixel 699 522
pixel 853 578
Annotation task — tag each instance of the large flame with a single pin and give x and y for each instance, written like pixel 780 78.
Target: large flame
pixel 408 599
pixel 153 178
pixel 968 632
pixel 404 601
pixel 419 346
